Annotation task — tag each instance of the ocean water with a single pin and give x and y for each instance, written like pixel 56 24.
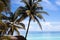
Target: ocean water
pixel 43 36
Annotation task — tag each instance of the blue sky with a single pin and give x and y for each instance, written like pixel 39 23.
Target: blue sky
pixel 52 21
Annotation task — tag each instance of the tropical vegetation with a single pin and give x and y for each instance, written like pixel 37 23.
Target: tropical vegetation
pixel 8 24
pixel 33 10
pixel 11 23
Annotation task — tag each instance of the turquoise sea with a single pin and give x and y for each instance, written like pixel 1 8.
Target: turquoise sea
pixel 43 36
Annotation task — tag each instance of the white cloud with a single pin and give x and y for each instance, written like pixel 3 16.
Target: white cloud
pixel 51 26
pixel 58 2
pixel 34 28
pixel 49 5
pixel 46 26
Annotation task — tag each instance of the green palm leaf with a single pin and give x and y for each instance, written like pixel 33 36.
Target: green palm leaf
pixel 5 5
pixel 22 18
pixel 23 26
pixel 38 23
pixel 38 8
pixel 1 6
pixel 40 16
pixel 18 12
pixel 17 31
pixel 25 1
pixel 42 12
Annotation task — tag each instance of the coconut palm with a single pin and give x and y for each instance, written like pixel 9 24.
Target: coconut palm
pixel 8 25
pixel 12 24
pixel 9 21
pixel 4 6
pixel 33 10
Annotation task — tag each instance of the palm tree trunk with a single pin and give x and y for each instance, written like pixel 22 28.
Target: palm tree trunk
pixel 28 28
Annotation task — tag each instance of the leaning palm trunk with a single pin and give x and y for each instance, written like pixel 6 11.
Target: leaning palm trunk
pixel 28 28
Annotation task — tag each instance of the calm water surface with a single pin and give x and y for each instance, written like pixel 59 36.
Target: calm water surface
pixel 43 36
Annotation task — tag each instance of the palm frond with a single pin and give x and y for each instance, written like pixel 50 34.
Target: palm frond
pixel 17 31
pixel 38 23
pixel 39 8
pixel 11 31
pixel 19 11
pixel 34 5
pixel 4 17
pixel 3 27
pixel 22 18
pixel 27 4
pixel 40 16
pixel 20 25
pixel 2 6
pixel 14 27
pixel 42 12
pixel 11 13
pixel 7 5
pixel 23 26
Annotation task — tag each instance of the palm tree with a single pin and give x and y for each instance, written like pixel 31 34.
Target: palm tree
pixel 31 10
pixel 12 24
pixel 8 25
pixel 4 6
